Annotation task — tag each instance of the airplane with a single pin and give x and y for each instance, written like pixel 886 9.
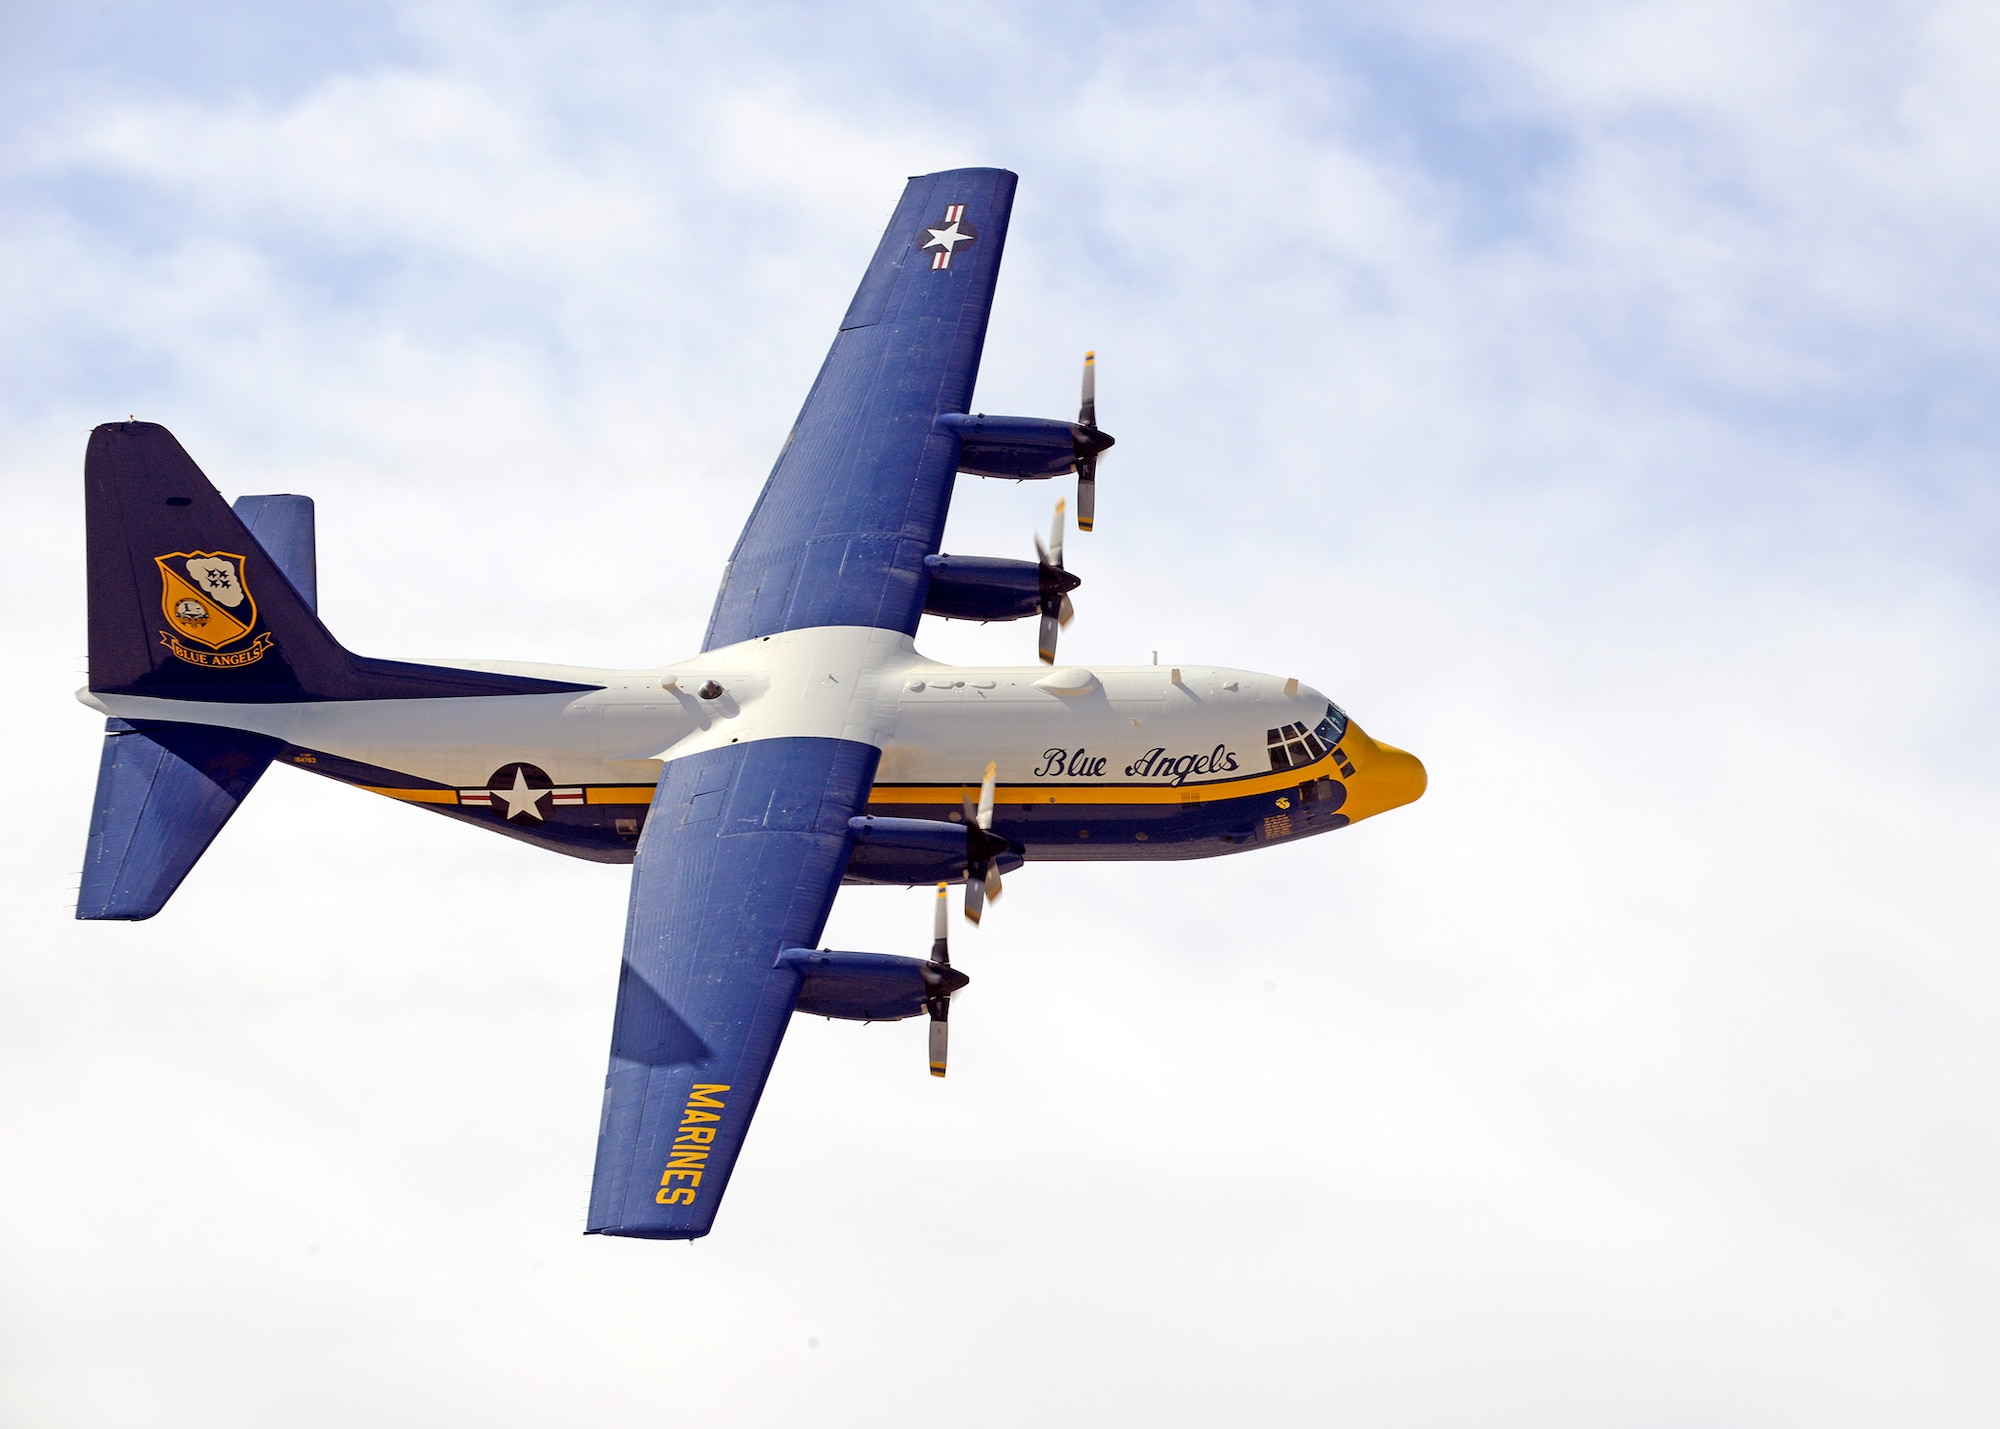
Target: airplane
pixel 809 744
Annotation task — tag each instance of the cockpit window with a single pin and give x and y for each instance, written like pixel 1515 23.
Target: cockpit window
pixel 1294 745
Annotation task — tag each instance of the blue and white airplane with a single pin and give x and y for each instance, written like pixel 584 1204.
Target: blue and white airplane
pixel 809 744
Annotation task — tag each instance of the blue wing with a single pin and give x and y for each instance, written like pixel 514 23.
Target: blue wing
pixel 745 847
pixel 858 496
pixel 740 860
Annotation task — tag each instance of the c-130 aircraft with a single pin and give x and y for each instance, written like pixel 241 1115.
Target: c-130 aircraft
pixel 808 745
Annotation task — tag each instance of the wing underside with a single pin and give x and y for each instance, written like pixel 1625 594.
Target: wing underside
pixel 858 497
pixel 740 860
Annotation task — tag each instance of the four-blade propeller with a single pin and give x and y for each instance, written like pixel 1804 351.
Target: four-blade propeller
pixel 982 847
pixel 941 980
pixel 1090 444
pixel 1057 583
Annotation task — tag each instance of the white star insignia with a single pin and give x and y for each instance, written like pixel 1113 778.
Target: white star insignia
pixel 521 799
pixel 948 238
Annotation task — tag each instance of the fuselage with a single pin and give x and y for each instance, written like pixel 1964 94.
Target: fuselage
pixel 1092 763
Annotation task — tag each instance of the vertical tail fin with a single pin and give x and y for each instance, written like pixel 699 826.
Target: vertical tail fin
pixel 285 527
pixel 185 604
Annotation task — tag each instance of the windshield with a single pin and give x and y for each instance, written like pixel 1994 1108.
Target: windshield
pixel 1294 746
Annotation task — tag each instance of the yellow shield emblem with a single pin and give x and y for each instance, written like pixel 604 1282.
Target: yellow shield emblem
pixel 205 600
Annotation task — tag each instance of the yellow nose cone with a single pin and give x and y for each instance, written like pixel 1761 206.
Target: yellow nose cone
pixel 1385 777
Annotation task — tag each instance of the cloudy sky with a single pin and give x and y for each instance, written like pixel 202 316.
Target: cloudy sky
pixel 1596 400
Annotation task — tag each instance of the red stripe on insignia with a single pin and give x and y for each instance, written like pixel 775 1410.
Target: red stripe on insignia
pixel 954 213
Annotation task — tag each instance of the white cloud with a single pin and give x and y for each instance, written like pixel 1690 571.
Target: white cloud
pixel 1590 399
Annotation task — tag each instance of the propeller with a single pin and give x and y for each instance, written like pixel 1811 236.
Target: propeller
pixel 941 980
pixel 1089 443
pixel 1057 583
pixel 982 849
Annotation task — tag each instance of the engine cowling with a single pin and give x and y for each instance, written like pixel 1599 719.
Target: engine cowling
pixel 1020 448
pixel 867 987
pixel 983 588
pixel 913 851
pixel 992 587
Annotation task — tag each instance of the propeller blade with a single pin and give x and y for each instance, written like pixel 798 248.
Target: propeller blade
pixel 1086 470
pixel 986 795
pixel 975 897
pixel 992 881
pixel 941 980
pixel 1056 584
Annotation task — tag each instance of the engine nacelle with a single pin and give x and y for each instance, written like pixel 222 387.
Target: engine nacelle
pixel 1019 448
pixel 866 987
pixel 983 588
pixel 912 851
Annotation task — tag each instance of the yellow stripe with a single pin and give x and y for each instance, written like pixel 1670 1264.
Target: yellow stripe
pixel 1111 793
pixel 619 794
pixel 949 794
pixel 416 796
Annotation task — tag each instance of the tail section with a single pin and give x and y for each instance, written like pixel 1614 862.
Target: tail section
pixel 164 791
pixel 192 600
pixel 185 604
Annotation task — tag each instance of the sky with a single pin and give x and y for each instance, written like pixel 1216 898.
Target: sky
pixel 1594 399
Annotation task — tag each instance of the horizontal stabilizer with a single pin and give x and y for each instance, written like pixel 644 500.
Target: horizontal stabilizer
pixel 164 791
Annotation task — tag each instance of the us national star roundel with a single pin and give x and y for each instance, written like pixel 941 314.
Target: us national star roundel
pixel 523 792
pixel 206 600
pixel 944 239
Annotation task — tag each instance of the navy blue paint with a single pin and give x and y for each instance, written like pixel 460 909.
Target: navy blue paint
pixel 983 588
pixel 1021 448
pixel 164 791
pixel 145 497
pixel 859 987
pixel 858 497
pixel 740 860
pixel 285 527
